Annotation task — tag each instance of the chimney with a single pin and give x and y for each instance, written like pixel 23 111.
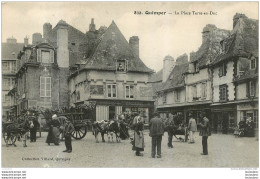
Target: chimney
pixel 236 17
pixel 26 41
pixel 134 44
pixel 206 32
pixel 62 43
pixel 36 38
pixel 47 28
pixel 11 40
pixel 92 26
pixel 168 65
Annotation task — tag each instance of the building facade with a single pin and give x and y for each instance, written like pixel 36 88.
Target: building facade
pixel 10 50
pixel 113 77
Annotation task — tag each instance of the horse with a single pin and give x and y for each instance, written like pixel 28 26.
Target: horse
pixel 106 127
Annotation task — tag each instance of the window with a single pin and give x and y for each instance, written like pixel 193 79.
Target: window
pixel 252 63
pixel 194 92
pixel 111 91
pixel 13 67
pixel 204 90
pixel 196 67
pixel 45 56
pixel 164 98
pixel 222 70
pixel 6 66
pixel 177 95
pixel 122 65
pixel 223 93
pixel 45 86
pixel 251 88
pixel 129 91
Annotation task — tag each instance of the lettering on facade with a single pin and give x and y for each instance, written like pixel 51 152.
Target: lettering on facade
pixel 97 89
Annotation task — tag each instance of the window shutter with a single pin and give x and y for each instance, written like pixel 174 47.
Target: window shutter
pixel 39 55
pixel 225 69
pixel 52 56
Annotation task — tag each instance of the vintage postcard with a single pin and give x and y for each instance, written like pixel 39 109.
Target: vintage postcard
pixel 129 85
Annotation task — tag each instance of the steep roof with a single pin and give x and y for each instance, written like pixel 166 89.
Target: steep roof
pixel 113 46
pixel 176 77
pixel 11 50
pixel 243 41
pixel 156 77
pixel 211 47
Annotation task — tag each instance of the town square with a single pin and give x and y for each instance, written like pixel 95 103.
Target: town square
pixel 130 85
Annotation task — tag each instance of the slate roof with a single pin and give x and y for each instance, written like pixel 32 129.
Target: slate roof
pixel 243 41
pixel 176 77
pixel 210 48
pixel 11 50
pixel 156 77
pixel 113 46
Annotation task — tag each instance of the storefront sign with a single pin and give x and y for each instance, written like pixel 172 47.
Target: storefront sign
pixel 146 92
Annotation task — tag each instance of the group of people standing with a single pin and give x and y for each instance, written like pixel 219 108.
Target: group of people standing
pixel 157 128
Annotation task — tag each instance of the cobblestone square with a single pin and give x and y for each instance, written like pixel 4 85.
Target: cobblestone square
pixel 224 151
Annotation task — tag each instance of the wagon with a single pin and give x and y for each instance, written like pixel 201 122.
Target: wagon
pixel 79 122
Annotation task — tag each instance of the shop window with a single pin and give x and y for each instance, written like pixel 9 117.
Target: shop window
pixel 45 86
pixel 222 70
pixel 111 91
pixel 129 91
pixel 223 93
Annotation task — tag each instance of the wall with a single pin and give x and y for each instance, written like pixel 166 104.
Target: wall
pixel 227 79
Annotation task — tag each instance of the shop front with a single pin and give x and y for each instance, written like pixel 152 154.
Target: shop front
pixel 224 118
pixel 110 109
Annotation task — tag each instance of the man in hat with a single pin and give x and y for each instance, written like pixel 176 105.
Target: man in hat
pixel 69 128
pixel 204 132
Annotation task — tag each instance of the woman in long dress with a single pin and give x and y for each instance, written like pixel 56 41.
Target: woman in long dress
pixel 138 126
pixel 53 134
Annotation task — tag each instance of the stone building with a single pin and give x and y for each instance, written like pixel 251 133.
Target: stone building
pixel 43 68
pixel 111 75
pixel 235 75
pixel 10 50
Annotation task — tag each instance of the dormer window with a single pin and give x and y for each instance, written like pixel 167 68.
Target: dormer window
pixel 121 65
pixel 45 55
pixel 252 63
pixel 196 67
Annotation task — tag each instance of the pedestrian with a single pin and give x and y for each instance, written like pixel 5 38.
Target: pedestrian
pixel 33 128
pixel 204 132
pixel 156 132
pixel 69 128
pixel 169 127
pixel 138 143
pixel 54 133
pixel 192 127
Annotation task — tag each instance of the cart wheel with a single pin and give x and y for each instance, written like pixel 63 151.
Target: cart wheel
pixel 79 132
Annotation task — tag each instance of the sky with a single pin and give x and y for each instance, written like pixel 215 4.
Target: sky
pixel 176 32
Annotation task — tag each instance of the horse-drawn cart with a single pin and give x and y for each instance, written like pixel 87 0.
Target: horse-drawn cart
pixel 11 131
pixel 79 122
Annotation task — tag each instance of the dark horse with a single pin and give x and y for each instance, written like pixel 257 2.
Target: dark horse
pixel 106 127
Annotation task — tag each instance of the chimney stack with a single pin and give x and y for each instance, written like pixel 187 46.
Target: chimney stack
pixel 62 43
pixel 36 38
pixel 47 28
pixel 168 65
pixel 26 41
pixel 134 44
pixel 92 26
pixel 11 40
